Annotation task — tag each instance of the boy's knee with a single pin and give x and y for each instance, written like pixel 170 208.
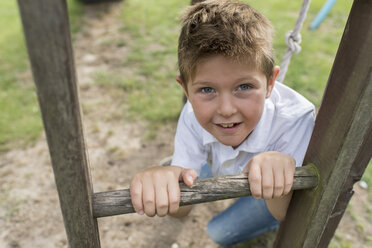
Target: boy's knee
pixel 218 234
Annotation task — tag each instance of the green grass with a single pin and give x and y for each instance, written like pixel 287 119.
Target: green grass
pixel 20 116
pixel 154 28
pixel 19 113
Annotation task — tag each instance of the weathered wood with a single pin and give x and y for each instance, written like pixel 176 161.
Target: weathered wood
pixel 47 33
pixel 342 139
pixel 206 190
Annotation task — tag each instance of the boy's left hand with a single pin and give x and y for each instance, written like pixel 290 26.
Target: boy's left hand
pixel 270 175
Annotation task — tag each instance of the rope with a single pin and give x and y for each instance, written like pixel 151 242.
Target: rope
pixel 293 40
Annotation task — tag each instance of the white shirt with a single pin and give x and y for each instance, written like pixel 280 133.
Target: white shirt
pixel 285 126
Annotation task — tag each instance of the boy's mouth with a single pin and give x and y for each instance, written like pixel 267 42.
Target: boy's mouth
pixel 228 125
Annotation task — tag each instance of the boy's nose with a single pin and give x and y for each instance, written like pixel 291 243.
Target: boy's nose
pixel 226 106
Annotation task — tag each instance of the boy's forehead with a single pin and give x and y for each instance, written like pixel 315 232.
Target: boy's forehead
pixel 243 60
pixel 220 69
pixel 217 63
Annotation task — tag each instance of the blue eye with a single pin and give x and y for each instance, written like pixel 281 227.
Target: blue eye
pixel 244 87
pixel 207 90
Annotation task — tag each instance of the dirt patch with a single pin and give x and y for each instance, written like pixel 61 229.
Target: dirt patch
pixel 29 208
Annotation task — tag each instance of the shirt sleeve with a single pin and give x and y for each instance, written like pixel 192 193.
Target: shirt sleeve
pixel 189 151
pixel 296 137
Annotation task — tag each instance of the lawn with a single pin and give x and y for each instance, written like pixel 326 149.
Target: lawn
pixel 20 121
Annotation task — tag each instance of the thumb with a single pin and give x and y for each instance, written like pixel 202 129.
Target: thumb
pixel 247 167
pixel 188 176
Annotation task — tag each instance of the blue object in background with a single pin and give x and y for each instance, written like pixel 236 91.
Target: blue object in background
pixel 322 14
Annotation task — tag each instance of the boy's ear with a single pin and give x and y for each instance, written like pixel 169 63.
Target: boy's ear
pixel 272 79
pixel 183 84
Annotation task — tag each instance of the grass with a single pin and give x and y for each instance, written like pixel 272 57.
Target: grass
pixel 20 120
pixel 156 97
pixel 19 112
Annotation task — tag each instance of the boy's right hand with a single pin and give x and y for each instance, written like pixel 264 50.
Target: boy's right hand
pixel 156 190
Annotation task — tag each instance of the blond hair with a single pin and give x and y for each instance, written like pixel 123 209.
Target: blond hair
pixel 228 28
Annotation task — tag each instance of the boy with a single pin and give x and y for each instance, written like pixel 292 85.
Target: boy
pixel 237 119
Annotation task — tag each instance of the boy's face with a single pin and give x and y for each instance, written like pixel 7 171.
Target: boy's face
pixel 228 97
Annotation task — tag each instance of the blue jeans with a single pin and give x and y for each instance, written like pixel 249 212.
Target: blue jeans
pixel 245 219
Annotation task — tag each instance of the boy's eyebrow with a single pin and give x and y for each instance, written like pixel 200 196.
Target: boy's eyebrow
pixel 201 82
pixel 250 78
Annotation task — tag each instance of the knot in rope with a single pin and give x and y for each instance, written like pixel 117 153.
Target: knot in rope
pixel 293 41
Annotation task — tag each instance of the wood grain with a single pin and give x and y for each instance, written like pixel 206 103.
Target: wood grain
pixel 47 33
pixel 213 189
pixel 342 139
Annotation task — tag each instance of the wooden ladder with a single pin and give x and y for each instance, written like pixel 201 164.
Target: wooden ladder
pixel 340 146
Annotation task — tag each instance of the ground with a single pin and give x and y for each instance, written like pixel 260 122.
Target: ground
pixel 29 209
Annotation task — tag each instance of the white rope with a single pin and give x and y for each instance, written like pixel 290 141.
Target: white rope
pixel 293 40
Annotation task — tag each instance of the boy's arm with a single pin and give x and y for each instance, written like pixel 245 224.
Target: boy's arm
pixel 270 176
pixel 278 206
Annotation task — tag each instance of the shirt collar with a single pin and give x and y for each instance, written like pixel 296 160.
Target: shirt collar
pixel 207 137
pixel 258 140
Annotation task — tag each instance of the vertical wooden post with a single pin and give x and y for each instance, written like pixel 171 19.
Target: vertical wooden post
pixel 341 143
pixel 47 33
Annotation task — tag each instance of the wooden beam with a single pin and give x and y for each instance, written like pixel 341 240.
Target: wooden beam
pixel 342 139
pixel 47 33
pixel 206 190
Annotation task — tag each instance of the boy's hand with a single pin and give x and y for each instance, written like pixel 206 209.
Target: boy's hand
pixel 270 175
pixel 156 190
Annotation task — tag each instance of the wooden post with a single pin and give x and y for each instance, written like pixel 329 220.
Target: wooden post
pixel 47 32
pixel 342 139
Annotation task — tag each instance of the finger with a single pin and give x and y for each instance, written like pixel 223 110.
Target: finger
pixel 279 179
pixel 267 182
pixel 174 196
pixel 136 195
pixel 188 176
pixel 148 197
pixel 254 178
pixel 161 196
pixel 288 175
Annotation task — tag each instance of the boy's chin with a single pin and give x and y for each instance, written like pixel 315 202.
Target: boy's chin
pixel 233 143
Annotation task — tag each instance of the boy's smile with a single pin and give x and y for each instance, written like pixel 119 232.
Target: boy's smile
pixel 228 97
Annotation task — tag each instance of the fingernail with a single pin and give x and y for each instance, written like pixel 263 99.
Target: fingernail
pixel 141 212
pixel 190 179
